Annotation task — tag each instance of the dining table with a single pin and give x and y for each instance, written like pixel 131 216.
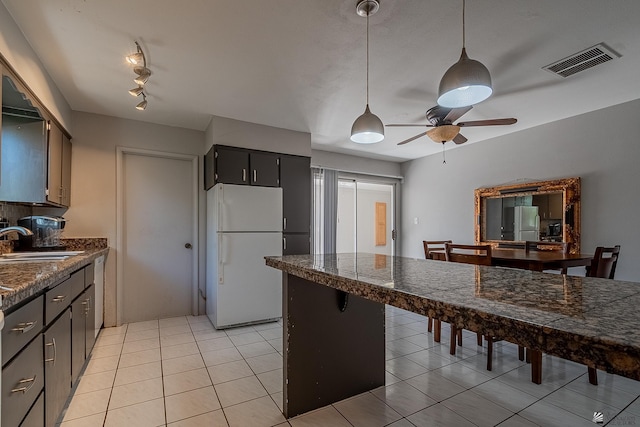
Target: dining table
pixel 334 317
pixel 534 260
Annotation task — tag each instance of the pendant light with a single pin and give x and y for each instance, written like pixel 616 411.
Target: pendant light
pixel 466 82
pixel 368 128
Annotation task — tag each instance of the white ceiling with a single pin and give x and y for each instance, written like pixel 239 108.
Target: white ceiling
pixel 300 64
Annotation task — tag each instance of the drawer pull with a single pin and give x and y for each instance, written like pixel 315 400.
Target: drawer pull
pixel 25 389
pixel 25 327
pixel 49 344
pixel 59 298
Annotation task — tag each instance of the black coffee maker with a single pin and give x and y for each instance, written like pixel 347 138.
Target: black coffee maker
pixel 47 231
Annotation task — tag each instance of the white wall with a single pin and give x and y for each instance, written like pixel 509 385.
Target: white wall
pixel 347 163
pixel 93 180
pixel 18 53
pixel 601 147
pixel 236 133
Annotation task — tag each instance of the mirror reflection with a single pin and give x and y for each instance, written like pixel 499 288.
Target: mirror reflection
pixel 536 217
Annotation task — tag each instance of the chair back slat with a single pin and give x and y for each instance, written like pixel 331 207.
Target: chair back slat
pixel 604 262
pixel 433 245
pixel 471 254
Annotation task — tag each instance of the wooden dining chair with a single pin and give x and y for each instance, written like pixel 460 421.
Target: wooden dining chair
pixel 562 247
pixel 467 254
pixel 433 245
pixel 603 265
pixel 604 262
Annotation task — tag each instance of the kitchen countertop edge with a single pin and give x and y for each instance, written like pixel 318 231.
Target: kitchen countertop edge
pixel 21 281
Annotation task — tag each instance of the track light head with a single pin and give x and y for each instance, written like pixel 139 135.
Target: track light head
pixel 136 91
pixel 143 75
pixel 141 106
pixel 137 58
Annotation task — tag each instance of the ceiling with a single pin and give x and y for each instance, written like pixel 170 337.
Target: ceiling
pixel 300 65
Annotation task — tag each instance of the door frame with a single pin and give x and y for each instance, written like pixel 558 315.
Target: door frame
pixel 120 153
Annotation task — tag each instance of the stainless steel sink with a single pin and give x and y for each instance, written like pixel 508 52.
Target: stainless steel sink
pixel 16 257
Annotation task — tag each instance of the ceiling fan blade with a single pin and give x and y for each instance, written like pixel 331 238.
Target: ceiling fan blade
pixel 455 114
pixel 409 125
pixel 412 138
pixel 492 122
pixel 459 139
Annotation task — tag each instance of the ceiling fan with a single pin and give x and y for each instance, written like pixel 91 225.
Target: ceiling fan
pixel 441 120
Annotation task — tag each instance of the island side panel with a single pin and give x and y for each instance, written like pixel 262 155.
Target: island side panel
pixel 329 354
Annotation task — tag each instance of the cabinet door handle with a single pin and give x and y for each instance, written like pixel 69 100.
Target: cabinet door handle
pixel 59 298
pixel 49 344
pixel 24 389
pixel 244 175
pixel 284 243
pixel 284 220
pixel 23 328
pixel 255 175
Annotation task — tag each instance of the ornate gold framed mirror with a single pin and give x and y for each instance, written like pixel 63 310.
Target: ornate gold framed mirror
pixel 537 211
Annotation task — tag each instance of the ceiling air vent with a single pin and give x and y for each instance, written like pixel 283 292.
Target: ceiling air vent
pixel 583 60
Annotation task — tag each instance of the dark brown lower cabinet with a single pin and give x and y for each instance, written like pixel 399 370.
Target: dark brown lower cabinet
pixel 57 366
pixel 90 314
pixel 22 381
pixel 78 332
pixel 35 417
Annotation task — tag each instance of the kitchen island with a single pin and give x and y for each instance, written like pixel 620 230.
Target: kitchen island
pixel 333 311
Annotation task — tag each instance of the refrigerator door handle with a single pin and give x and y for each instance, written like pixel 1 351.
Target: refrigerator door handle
pixel 221 259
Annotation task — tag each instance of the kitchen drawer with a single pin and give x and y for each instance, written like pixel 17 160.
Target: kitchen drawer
pixel 35 417
pixel 20 327
pixel 89 273
pixel 22 382
pixel 59 298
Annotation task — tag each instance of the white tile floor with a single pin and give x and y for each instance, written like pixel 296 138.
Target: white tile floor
pixel 182 372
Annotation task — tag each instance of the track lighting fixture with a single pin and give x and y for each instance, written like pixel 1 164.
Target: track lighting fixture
pixel 141 106
pixel 368 128
pixel 142 74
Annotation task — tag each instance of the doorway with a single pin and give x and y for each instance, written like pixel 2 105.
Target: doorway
pixel 365 220
pixel 156 235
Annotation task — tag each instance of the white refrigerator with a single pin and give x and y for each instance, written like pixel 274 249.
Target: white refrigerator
pixel 526 223
pixel 244 224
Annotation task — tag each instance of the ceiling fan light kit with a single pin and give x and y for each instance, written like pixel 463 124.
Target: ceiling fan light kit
pixel 467 82
pixel 142 74
pixel 367 128
pixel 443 133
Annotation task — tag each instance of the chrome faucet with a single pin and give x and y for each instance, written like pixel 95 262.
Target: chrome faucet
pixel 22 230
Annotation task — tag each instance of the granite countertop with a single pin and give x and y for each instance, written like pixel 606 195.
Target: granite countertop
pixel 19 281
pixel 584 319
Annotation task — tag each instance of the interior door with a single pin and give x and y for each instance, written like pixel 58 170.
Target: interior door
pixel 157 231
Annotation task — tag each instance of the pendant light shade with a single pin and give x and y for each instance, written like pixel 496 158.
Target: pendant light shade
pixel 368 128
pixel 466 82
